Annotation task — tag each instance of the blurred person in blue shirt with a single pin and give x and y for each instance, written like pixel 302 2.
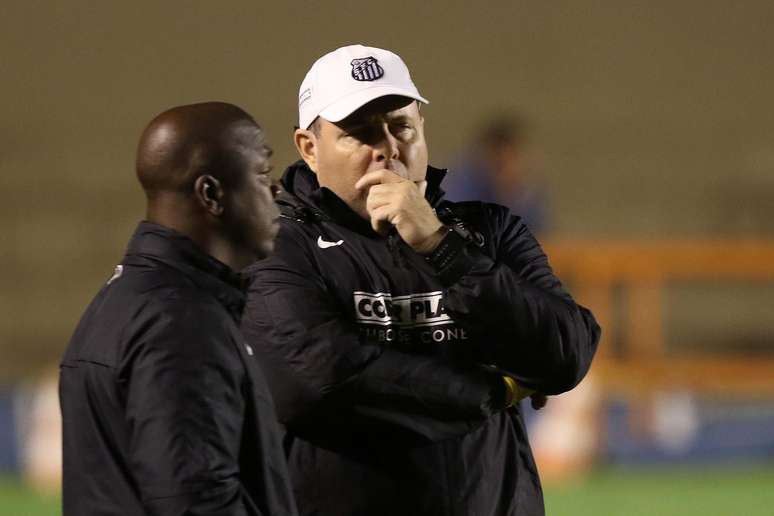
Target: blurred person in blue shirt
pixel 499 167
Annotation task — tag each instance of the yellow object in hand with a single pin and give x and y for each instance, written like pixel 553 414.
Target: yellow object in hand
pixel 514 392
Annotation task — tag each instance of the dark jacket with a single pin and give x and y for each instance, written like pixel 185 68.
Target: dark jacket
pixel 375 359
pixel 165 410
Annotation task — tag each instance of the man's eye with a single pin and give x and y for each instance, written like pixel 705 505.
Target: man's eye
pixel 403 131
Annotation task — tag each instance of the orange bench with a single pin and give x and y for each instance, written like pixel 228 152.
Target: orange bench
pixel 642 269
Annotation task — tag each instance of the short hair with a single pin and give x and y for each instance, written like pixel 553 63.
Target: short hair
pixel 504 130
pixel 315 126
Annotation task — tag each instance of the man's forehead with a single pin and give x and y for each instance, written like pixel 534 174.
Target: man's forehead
pixel 385 107
pixel 247 131
pixel 250 134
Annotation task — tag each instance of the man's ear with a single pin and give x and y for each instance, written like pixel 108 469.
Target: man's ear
pixel 209 194
pixel 306 144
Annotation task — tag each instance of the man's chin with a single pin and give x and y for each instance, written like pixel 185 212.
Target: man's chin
pixel 359 207
pixel 264 249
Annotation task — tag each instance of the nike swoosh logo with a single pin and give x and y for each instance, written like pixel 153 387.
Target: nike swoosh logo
pixel 324 244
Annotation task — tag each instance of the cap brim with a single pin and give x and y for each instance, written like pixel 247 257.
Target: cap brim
pixel 341 109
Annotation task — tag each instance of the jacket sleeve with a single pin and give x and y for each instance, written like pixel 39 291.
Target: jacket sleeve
pixel 524 321
pixel 319 369
pixel 183 388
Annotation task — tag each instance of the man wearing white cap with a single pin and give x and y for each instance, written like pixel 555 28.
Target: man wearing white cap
pixel 398 330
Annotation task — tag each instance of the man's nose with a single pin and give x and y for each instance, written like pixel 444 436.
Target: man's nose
pixel 386 148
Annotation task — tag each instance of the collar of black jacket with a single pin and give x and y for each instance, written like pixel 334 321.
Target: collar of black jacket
pixel 159 244
pixel 303 198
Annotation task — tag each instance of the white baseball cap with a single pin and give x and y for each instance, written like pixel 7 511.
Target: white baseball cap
pixel 348 78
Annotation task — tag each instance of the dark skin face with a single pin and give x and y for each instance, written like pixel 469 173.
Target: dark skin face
pixel 251 215
pixel 204 169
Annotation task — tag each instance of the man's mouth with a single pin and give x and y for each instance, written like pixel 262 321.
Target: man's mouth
pixel 398 167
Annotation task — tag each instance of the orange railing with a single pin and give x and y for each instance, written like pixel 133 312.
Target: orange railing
pixel 640 271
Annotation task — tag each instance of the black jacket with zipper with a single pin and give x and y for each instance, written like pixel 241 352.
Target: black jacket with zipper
pixel 387 373
pixel 165 409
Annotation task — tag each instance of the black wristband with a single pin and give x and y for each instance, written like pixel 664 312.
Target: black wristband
pixel 450 259
pixel 451 245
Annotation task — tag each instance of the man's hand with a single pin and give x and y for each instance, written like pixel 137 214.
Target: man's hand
pixel 538 400
pixel 514 393
pixel 396 201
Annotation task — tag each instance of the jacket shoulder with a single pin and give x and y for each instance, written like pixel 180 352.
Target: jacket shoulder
pixel 496 222
pixel 135 305
pixel 293 248
pixel 473 211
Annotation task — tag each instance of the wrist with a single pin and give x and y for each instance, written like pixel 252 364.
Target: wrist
pixel 450 258
pixel 431 243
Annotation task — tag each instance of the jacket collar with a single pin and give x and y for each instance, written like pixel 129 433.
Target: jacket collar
pixel 303 198
pixel 159 244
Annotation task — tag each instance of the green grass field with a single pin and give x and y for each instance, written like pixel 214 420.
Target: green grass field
pixel 710 491
pixel 16 500
pixel 607 492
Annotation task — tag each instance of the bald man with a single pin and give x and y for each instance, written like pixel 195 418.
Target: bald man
pixel 165 410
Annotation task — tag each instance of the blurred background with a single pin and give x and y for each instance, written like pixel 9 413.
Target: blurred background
pixel 637 138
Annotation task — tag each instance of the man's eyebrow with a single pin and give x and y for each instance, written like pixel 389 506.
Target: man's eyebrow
pixel 354 125
pixel 398 118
